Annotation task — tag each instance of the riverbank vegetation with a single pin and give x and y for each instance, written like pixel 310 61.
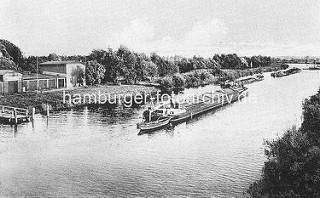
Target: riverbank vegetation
pixel 110 66
pixel 293 165
pixel 55 98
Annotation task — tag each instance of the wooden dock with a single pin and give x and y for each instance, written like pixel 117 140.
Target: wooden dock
pixel 13 115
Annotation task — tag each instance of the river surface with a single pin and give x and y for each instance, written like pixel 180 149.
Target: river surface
pixel 97 152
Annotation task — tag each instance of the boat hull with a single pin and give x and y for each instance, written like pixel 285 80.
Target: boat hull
pixel 203 108
pixel 152 126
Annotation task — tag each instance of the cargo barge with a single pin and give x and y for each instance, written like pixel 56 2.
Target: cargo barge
pixel 179 112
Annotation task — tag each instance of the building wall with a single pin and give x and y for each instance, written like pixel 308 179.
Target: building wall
pixel 43 84
pixel 7 87
pixel 54 68
pixel 52 83
pixel 70 71
pixel 20 86
pixel 31 85
pixel 12 83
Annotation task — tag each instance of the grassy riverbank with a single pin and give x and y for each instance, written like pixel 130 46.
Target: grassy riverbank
pixel 55 98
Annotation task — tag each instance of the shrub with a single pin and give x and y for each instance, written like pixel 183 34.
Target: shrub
pixel 293 166
pixel 166 82
pixel 178 81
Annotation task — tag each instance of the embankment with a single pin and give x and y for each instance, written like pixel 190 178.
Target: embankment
pixel 56 98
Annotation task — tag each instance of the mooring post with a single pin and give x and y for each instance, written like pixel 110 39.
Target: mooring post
pixel 48 113
pixel 15 116
pixel 12 116
pixel 32 116
pixel 48 110
pixel 33 113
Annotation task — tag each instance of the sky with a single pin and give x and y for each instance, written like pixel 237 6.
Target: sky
pixel 167 27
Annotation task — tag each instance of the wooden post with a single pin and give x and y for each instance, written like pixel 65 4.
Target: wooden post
pixel 33 113
pixel 12 115
pixel 15 116
pixel 48 113
pixel 32 116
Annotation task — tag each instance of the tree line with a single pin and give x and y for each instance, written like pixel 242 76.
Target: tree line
pixel 108 66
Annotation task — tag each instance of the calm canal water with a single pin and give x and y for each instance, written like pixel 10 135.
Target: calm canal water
pixel 92 152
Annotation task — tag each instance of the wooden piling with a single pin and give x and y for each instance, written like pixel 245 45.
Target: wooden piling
pixel 48 110
pixel 11 118
pixel 15 116
pixel 33 113
pixel 32 116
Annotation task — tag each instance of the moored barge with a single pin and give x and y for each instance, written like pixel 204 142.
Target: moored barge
pixel 182 111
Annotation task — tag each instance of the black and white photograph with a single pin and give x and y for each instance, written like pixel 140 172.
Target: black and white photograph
pixel 160 98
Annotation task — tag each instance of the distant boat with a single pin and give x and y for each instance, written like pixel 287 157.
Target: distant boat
pixel 259 77
pixel 250 79
pixel 287 72
pixel 315 67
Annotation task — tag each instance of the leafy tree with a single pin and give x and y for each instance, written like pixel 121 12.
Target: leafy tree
pixel 78 75
pixel 149 69
pixel 53 57
pixel 7 64
pixel 94 73
pixel 293 166
pixel 128 62
pixel 13 51
pixel 178 81
pixel 165 66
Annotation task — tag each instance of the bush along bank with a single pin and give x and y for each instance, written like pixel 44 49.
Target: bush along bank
pixel 179 82
pixel 293 165
pixel 231 74
pixel 201 77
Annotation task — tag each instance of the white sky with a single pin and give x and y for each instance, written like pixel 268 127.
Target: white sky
pixel 168 27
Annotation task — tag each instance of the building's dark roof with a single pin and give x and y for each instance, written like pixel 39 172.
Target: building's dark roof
pixel 59 62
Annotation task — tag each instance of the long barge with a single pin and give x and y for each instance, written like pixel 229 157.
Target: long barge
pixel 186 110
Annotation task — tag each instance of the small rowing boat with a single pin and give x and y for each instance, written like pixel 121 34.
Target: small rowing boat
pixel 160 123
